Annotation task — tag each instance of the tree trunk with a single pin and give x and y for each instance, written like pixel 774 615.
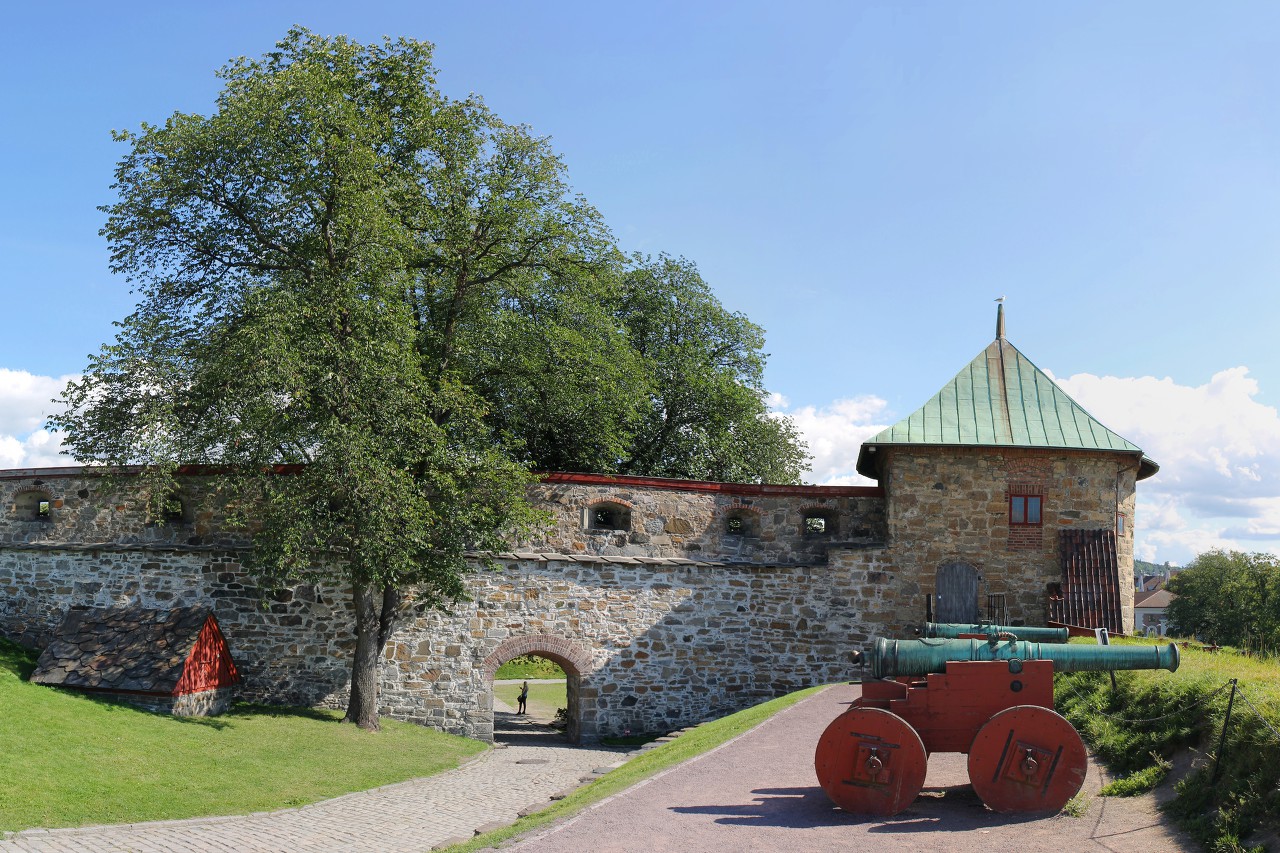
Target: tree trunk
pixel 375 619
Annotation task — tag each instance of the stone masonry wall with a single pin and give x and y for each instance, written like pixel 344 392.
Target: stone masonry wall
pixel 666 645
pixel 952 504
pixel 667 618
pixel 662 640
pixel 673 518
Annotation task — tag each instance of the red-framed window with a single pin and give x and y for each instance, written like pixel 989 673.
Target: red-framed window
pixel 1025 510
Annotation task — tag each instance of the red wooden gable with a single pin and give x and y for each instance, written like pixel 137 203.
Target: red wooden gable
pixel 209 666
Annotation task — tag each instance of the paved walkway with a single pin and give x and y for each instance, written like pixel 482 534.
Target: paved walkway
pixel 408 816
pixel 758 793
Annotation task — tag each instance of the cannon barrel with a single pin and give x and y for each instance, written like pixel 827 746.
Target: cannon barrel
pixel 1022 632
pixel 920 657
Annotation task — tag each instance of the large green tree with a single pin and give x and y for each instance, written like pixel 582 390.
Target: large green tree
pixel 343 268
pixel 706 414
pixel 1230 598
pixel 677 389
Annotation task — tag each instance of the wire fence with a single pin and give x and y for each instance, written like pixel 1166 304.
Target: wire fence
pixel 1231 685
pixel 1097 709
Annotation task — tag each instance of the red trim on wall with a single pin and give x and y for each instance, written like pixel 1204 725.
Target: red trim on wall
pixel 757 489
pixel 760 489
pixel 126 471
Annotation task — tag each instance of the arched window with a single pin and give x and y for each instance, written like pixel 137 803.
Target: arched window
pixel 608 515
pixel 739 524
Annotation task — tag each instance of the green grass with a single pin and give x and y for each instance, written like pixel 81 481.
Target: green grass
pixel 529 666
pixel 544 699
pixel 702 739
pixel 1138 782
pixel 1190 715
pixel 69 760
pixel 1077 806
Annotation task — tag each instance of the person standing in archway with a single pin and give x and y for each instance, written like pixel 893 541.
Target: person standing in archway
pixel 524 696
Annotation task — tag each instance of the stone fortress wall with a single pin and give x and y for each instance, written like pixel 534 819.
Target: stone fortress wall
pixel 668 602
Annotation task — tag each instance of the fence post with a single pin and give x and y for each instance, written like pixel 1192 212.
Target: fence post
pixel 1222 741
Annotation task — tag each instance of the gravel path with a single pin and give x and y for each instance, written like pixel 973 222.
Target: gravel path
pixel 758 792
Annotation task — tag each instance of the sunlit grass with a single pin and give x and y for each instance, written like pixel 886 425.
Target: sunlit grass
pixel 69 760
pixel 1152 714
pixel 544 699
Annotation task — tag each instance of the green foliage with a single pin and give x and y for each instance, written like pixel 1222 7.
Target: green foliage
pixel 529 666
pixel 317 261
pixel 1142 567
pixel 1229 598
pixel 344 270
pixel 1077 806
pixel 1140 781
pixel 706 416
pixel 1153 714
pixel 675 389
pixel 70 760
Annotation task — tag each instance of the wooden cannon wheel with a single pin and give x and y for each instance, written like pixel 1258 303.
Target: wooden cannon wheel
pixel 1027 759
pixel 870 761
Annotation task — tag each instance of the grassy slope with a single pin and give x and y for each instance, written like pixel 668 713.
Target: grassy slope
pixel 1245 797
pixel 71 761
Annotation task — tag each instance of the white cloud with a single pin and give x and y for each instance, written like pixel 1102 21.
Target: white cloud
pixel 1219 455
pixel 835 434
pixel 26 400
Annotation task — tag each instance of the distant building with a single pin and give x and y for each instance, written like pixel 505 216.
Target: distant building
pixel 1149 611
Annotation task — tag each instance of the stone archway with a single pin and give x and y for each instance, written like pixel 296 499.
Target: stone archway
pixel 571 656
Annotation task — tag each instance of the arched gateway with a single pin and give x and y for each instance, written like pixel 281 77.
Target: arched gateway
pixel 571 656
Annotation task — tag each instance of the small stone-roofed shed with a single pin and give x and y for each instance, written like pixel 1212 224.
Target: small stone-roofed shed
pixel 172 661
pixel 1000 442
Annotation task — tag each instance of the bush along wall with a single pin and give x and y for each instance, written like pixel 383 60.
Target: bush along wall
pixel 1233 789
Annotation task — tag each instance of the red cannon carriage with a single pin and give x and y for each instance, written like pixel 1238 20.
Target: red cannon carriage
pixel 991 699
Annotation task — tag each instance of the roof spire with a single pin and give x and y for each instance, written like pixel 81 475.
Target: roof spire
pixel 1000 319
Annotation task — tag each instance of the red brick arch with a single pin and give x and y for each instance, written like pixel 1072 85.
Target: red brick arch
pixel 575 659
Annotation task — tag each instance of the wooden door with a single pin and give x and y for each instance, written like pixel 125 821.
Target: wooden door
pixel 956 593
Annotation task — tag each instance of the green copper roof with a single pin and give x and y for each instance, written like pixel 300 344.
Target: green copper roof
pixel 1001 399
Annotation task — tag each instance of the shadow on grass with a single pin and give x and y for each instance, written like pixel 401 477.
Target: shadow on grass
pixel 250 709
pixel 19 661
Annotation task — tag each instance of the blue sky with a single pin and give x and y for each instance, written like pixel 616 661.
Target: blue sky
pixel 862 179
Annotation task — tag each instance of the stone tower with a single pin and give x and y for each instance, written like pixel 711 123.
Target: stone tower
pixel 1008 500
